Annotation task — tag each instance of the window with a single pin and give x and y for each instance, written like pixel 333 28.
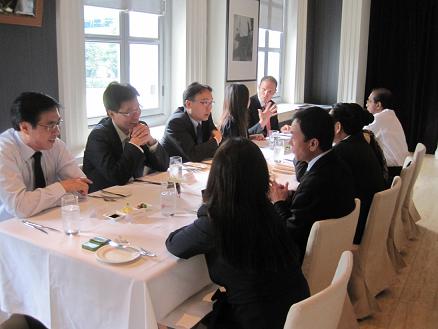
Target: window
pixel 271 36
pixel 124 46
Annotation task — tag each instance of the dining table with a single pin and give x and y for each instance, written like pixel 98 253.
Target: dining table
pixel 49 275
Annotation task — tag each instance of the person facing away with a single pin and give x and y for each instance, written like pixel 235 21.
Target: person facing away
pixel 262 109
pixel 121 147
pixel 36 169
pixel 351 146
pixel 248 249
pixel 190 131
pixel 234 120
pixel 388 130
pixel 326 188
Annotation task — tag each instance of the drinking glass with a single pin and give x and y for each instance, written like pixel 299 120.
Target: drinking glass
pixel 272 134
pixel 278 150
pixel 175 168
pixel 168 198
pixel 71 218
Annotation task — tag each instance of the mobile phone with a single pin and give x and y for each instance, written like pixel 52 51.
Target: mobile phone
pixel 89 245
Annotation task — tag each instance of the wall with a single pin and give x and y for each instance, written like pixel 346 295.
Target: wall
pixel 27 60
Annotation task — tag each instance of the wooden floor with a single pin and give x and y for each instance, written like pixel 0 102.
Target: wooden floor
pixel 412 300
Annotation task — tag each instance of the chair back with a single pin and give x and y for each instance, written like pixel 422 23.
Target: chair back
pixel 373 257
pixel 323 310
pixel 327 240
pixel 420 151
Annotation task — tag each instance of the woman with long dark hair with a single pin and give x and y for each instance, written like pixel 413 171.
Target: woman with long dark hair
pixel 247 247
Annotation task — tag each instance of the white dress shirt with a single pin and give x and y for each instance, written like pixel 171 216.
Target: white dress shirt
pixel 17 195
pixel 391 137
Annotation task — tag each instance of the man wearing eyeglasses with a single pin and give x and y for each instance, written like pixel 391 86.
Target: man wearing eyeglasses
pixel 121 147
pixel 190 131
pixel 36 169
pixel 262 109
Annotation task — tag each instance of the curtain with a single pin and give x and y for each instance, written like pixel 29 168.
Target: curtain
pixel 403 57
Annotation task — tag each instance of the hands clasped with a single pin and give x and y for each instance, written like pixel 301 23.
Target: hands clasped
pixel 141 135
pixel 278 192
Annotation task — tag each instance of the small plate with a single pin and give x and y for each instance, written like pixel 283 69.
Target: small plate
pixel 111 255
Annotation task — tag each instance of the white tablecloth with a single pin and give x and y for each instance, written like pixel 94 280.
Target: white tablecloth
pixel 53 279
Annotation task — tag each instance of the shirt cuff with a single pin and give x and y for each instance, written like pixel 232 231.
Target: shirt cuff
pixel 153 147
pixel 137 147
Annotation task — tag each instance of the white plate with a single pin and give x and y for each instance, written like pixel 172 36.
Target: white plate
pixel 111 255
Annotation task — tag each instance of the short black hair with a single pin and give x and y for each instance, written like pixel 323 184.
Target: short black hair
pixel 383 96
pixel 193 89
pixel 269 78
pixel 116 93
pixel 316 122
pixel 351 116
pixel 28 106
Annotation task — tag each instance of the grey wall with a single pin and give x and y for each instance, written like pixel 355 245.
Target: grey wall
pixel 322 51
pixel 27 60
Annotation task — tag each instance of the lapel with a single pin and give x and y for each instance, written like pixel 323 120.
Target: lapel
pixel 190 125
pixel 113 135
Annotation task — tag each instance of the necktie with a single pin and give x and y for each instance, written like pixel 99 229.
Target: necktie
pixel 199 134
pixel 38 171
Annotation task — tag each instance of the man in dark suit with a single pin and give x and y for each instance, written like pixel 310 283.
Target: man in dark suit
pixel 326 188
pixel 120 146
pixel 190 131
pixel 262 109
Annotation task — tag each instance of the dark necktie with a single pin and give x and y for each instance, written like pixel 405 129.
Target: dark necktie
pixel 199 134
pixel 38 171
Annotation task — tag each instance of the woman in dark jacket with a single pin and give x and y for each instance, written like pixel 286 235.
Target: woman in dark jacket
pixel 247 247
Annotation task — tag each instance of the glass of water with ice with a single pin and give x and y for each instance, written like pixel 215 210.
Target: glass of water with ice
pixel 278 150
pixel 71 217
pixel 175 168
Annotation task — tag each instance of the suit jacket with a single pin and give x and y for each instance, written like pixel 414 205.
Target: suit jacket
pixel 259 300
pixel 367 174
pixel 107 163
pixel 254 116
pixel 325 192
pixel 180 137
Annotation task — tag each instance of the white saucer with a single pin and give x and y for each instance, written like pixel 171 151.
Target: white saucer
pixel 111 255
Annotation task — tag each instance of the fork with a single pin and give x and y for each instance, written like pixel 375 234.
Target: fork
pixel 127 245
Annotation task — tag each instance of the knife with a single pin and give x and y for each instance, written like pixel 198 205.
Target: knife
pixel 41 226
pixel 146 181
pixel 114 193
pixel 36 228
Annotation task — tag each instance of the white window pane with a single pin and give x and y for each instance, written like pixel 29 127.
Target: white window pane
pixel 262 34
pixel 102 65
pixel 99 20
pixel 274 64
pixel 274 39
pixel 260 66
pixel 144 73
pixel 143 25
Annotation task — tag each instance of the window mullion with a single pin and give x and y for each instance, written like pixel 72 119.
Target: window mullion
pixel 124 46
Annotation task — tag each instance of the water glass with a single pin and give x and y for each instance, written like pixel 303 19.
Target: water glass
pixel 71 217
pixel 278 150
pixel 272 135
pixel 175 168
pixel 168 198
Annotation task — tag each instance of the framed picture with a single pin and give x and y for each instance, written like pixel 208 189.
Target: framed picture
pixel 21 12
pixel 242 39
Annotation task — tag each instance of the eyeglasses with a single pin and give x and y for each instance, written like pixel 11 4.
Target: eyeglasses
pixel 131 113
pixel 204 102
pixel 52 126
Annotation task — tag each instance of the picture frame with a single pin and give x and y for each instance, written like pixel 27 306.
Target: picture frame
pixel 242 40
pixel 29 14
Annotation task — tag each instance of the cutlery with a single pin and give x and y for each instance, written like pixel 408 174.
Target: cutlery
pixel 105 198
pixel 140 250
pixel 113 193
pixel 146 181
pixel 41 226
pixel 36 228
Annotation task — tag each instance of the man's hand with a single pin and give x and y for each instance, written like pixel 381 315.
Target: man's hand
pixel 217 135
pixel 278 192
pixel 265 115
pixel 286 129
pixel 76 185
pixel 140 135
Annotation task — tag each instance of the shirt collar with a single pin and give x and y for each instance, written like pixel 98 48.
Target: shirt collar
pixel 313 161
pixel 25 150
pixel 121 134
pixel 194 122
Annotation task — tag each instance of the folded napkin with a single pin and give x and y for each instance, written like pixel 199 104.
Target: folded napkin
pixel 197 165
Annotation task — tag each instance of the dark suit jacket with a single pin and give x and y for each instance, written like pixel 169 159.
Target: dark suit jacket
pixel 259 300
pixel 254 116
pixel 180 137
pixel 325 192
pixel 107 163
pixel 367 174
